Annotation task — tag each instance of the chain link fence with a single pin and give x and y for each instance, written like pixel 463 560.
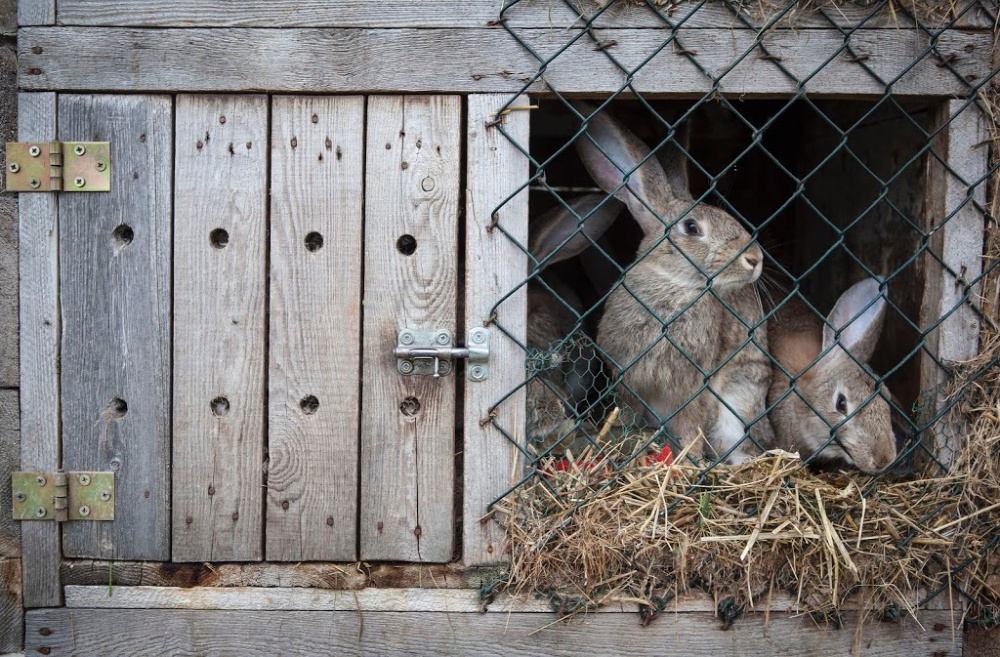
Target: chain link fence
pixel 719 282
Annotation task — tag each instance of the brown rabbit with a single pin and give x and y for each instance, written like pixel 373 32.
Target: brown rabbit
pixel 567 362
pixel 664 356
pixel 836 386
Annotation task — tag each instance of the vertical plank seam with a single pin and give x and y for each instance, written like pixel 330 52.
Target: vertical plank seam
pixel 170 321
pixel 461 328
pixel 265 456
pixel 361 324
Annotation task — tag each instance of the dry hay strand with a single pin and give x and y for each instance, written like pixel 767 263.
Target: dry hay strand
pixel 591 534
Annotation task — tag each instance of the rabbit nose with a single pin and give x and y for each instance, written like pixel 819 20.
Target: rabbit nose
pixel 750 261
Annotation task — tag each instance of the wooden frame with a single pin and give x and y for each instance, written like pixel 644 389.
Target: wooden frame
pixel 437 47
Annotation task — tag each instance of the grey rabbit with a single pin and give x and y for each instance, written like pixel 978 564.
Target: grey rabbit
pixel 692 332
pixel 836 385
pixel 567 361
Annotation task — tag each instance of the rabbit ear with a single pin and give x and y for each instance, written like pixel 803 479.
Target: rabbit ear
pixel 860 336
pixel 610 151
pixel 560 224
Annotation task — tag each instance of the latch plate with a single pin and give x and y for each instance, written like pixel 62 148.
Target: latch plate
pixel 430 352
pixel 71 166
pixel 62 496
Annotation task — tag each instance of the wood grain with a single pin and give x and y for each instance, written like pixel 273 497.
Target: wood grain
pixel 115 296
pixel 10 460
pixel 956 225
pixel 155 632
pixel 454 600
pixel 315 316
pixel 333 576
pixel 407 454
pixel 36 12
pixel 495 265
pixel 219 326
pixel 454 13
pixel 488 60
pixel 11 606
pixel 38 263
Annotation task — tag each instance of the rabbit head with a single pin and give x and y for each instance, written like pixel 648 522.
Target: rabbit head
pixel 684 243
pixel 836 391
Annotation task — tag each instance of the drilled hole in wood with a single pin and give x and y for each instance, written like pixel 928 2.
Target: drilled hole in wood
pixel 123 235
pixel 116 410
pixel 409 406
pixel 219 238
pixel 406 244
pixel 314 242
pixel 309 404
pixel 220 406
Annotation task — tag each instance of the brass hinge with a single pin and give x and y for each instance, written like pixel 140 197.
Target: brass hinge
pixel 59 166
pixel 63 496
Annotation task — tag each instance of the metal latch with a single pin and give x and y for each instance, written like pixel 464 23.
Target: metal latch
pixel 63 496
pixel 59 166
pixel 431 352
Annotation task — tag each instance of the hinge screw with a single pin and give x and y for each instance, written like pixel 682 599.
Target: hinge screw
pixel 105 495
pixel 34 183
pixel 79 181
pixel 20 497
pixel 14 167
pixel 406 337
pixel 405 366
pixel 40 512
pixel 79 149
pixel 34 151
pixel 85 511
pixel 40 480
pixel 478 337
pixel 101 166
pixel 85 480
pixel 477 372
pixel 442 338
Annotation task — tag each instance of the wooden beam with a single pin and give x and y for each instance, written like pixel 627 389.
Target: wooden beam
pixel 495 265
pixel 413 162
pixel 458 13
pixel 38 241
pixel 154 632
pixel 10 459
pixel 330 576
pixel 36 12
pixel 114 269
pixel 392 599
pixel 956 225
pixel 317 164
pixel 489 60
pixel 11 607
pixel 220 227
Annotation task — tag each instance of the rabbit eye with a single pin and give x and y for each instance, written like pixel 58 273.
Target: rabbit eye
pixel 691 227
pixel 841 404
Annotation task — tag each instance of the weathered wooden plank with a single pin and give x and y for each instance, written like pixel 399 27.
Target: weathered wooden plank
pixel 489 60
pixel 316 204
pixel 11 606
pixel 36 12
pixel 411 279
pixel 495 265
pixel 10 460
pixel 460 13
pixel 957 227
pixel 310 575
pixel 381 599
pixel 219 324
pixel 114 270
pixel 38 262
pixel 156 632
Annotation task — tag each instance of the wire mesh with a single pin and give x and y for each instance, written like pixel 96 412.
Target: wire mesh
pixel 676 315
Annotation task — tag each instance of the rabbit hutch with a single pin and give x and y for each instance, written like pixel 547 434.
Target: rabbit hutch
pixel 504 327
